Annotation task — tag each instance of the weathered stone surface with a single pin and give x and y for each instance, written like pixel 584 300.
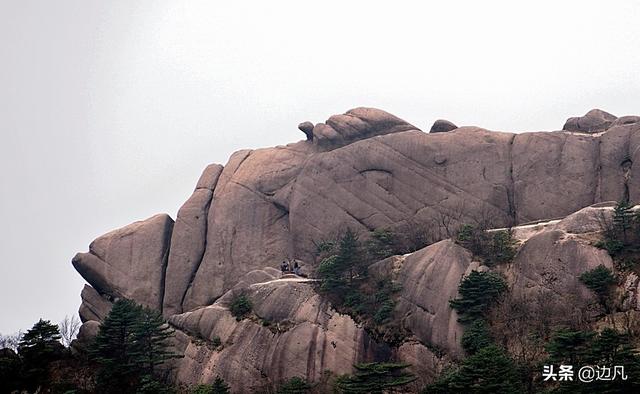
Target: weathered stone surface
pixel 548 266
pixel 429 279
pixel 442 126
pixel 357 124
pixel 554 174
pixel 304 337
pixel 94 306
pixel 188 240
pixel 363 170
pixel 86 334
pixel 130 262
pixel 593 121
pixel 307 129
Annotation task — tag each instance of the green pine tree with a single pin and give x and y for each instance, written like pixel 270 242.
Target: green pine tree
pixel 489 371
pixel 375 378
pixel 600 280
pixel 37 348
pixel 623 218
pixel 477 292
pixel 218 387
pixel 131 343
pixel 381 244
pixel 294 385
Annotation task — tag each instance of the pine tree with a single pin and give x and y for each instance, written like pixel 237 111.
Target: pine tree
pixel 349 258
pixel 489 371
pixel 569 346
pixel 37 348
pixel 623 218
pixel 294 385
pixel 114 348
pixel 375 378
pixel 151 346
pixel 380 246
pixel 131 343
pixel 478 291
pixel 218 387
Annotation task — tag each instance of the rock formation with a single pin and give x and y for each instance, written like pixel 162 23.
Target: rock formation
pixel 442 126
pixel 362 170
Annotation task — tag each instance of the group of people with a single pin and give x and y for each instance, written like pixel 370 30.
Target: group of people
pixel 288 267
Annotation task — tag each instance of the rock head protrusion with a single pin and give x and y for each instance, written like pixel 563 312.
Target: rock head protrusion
pixel 594 121
pixel 442 126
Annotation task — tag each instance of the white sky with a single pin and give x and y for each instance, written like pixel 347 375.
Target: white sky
pixel 109 110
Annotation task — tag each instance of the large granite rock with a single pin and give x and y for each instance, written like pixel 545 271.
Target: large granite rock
pixel 188 240
pixel 594 121
pixel 130 262
pixel 293 332
pixel 362 170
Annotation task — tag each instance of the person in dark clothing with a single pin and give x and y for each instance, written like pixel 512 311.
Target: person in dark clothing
pixel 284 267
pixel 296 268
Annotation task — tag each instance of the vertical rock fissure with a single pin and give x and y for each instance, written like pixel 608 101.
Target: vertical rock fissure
pixel 165 262
pixel 597 192
pixel 511 189
pixel 201 257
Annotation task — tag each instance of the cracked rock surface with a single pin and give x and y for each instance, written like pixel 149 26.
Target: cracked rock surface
pixel 363 170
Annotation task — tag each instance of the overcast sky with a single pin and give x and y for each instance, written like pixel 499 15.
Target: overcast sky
pixel 109 110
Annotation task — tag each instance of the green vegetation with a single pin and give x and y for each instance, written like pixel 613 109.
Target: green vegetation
pixel 375 378
pixel 240 307
pixel 381 244
pixel 345 280
pixel 37 349
pixel 623 219
pixel 131 343
pixel 476 336
pixel 489 371
pixel 294 385
pixel 478 291
pixel 494 247
pixel 218 387
pixel 607 348
pixel 600 280
pixel 621 235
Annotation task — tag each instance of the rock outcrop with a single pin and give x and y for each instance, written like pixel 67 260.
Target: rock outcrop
pixel 362 170
pixel 442 126
pixel 594 121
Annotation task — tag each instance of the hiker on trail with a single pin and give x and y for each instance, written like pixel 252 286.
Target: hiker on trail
pixel 284 267
pixel 296 268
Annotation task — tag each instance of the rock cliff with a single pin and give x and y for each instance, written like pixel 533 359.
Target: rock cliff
pixel 363 170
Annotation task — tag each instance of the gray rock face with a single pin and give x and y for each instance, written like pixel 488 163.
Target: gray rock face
pixel 304 337
pixel 593 121
pixel 357 124
pixel 94 306
pixel 429 279
pixel 363 170
pixel 442 126
pixel 307 129
pixel 188 240
pixel 130 262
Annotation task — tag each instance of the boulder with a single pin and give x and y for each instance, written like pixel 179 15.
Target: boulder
pixel 594 121
pixel 307 129
pixel 429 279
pixel 188 241
pixel 130 262
pixel 94 306
pixel 442 126
pixel 292 332
pixel 356 124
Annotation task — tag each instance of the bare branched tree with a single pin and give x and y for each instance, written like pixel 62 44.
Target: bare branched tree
pixel 10 341
pixel 69 328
